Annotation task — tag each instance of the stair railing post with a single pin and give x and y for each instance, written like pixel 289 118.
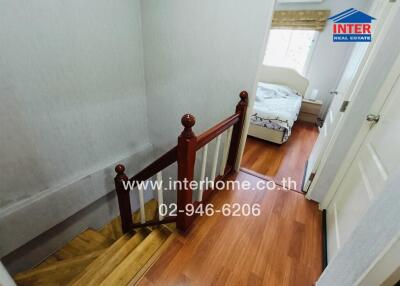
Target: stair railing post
pixel 186 156
pixel 124 202
pixel 237 132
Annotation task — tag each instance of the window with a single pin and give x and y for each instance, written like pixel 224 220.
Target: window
pixel 290 48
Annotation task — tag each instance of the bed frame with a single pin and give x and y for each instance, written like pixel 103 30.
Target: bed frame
pixel 283 76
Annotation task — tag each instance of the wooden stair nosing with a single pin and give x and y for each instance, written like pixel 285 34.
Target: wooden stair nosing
pixel 90 248
pixel 113 228
pixel 101 267
pixel 132 264
pixel 153 258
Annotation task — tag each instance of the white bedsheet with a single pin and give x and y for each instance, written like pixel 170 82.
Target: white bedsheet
pixel 276 107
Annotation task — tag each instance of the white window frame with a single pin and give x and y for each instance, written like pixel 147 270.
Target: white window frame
pixel 310 54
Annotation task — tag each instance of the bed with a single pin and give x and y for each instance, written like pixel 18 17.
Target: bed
pixel 277 104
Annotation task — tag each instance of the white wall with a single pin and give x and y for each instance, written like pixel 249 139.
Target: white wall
pixel 72 93
pixel 377 232
pixel 199 55
pixel 74 99
pixel 329 58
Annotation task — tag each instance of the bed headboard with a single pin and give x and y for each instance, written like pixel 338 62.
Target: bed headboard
pixel 283 76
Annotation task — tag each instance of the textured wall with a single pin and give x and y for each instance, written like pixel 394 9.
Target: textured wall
pixel 73 103
pixel 72 91
pixel 74 99
pixel 198 56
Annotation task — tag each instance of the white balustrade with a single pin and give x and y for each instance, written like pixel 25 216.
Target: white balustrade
pixel 225 151
pixel 141 204
pixel 159 192
pixel 203 173
pixel 215 158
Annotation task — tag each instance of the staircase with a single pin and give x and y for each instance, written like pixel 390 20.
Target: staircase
pixel 124 249
pixel 103 257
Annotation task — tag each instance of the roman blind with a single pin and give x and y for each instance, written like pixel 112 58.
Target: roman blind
pixel 300 19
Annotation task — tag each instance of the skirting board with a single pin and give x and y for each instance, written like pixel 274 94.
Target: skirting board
pixel 94 216
pixel 25 220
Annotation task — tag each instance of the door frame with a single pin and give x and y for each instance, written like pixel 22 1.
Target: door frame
pixel 350 115
pixel 376 108
pixel 252 93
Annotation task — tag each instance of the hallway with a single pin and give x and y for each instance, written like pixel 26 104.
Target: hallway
pixel 281 161
pixel 282 246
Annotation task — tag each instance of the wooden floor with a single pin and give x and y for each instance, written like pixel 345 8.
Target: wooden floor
pixel 282 246
pixel 281 161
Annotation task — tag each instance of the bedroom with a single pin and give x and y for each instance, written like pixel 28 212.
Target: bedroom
pixel 302 72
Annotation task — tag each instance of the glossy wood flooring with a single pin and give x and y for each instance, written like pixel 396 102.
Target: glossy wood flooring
pixel 282 161
pixel 280 247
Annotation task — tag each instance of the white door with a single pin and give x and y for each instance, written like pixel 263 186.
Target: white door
pixel 334 116
pixel 372 165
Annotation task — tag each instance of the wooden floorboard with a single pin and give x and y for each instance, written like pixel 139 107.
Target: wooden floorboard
pixel 282 161
pixel 282 246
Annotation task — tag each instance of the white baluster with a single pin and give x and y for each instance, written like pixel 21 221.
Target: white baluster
pixel 203 173
pixel 225 151
pixel 215 159
pixel 160 192
pixel 141 204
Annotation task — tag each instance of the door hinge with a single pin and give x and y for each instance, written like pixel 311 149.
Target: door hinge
pixel 373 119
pixel 312 176
pixel 344 106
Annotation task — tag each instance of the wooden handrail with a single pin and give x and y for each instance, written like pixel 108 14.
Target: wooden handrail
pixel 188 144
pixel 185 155
pixel 216 130
pixel 158 165
pixel 123 197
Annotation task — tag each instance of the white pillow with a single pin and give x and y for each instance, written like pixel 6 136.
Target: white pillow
pixel 277 87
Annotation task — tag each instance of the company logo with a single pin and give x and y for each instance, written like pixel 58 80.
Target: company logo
pixel 352 26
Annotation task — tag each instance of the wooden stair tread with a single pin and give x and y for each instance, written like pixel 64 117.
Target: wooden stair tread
pixel 104 257
pixel 113 229
pixel 145 268
pixel 134 262
pixel 101 267
pixel 58 273
pixel 88 241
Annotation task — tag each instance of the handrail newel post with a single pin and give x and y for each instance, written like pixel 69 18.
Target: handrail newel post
pixel 124 202
pixel 241 108
pixel 186 157
pixel 184 153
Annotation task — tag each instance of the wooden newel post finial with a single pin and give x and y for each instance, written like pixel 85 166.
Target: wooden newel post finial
pixel 186 154
pixel 124 202
pixel 244 98
pixel 120 169
pixel 188 122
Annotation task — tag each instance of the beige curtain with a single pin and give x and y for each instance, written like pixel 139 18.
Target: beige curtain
pixel 303 19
